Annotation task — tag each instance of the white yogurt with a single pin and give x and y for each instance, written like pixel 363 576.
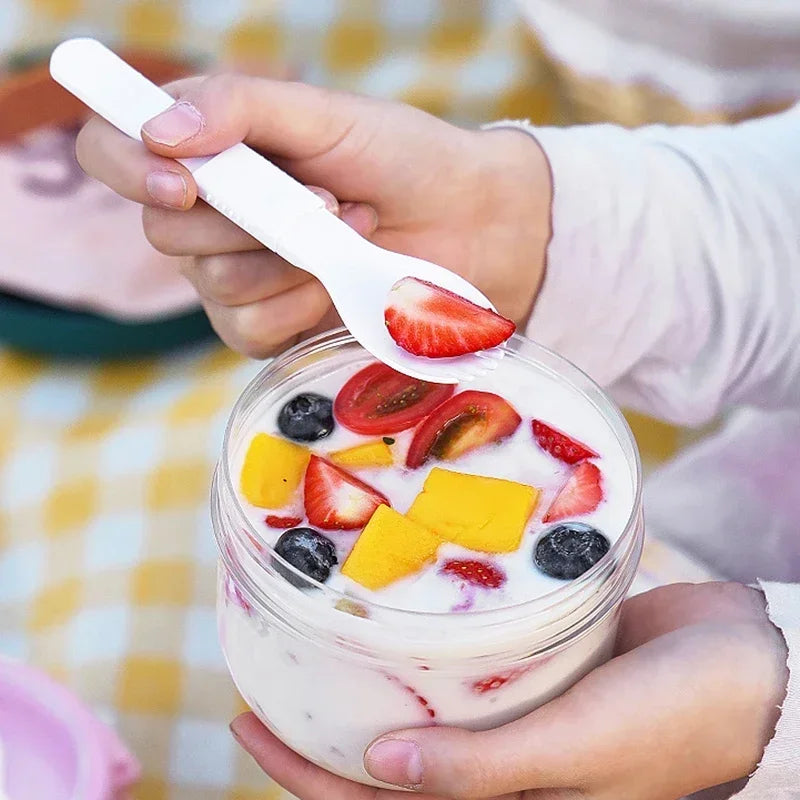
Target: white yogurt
pixel 326 682
pixel 519 458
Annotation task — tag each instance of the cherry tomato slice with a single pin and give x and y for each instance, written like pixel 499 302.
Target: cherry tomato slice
pixel 380 400
pixel 466 421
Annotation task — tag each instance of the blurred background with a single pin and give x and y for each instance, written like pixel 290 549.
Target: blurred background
pixel 114 390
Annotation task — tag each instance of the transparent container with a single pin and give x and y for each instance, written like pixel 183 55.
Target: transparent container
pixel 327 681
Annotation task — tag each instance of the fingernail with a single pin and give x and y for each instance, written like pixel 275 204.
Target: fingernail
pixel 233 729
pixel 167 188
pixel 331 203
pixel 360 216
pixel 176 125
pixel 395 761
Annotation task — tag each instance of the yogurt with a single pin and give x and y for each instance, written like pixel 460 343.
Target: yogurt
pixel 518 458
pixel 427 649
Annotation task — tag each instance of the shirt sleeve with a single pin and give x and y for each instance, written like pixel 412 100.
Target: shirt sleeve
pixel 673 273
pixel 673 278
pixel 778 774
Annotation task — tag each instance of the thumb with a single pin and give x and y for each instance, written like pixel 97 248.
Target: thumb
pixel 458 763
pixel 284 119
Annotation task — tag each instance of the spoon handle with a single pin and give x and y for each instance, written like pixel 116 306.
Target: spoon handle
pixel 239 183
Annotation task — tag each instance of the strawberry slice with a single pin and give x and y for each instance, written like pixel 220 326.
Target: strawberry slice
pixel 426 320
pixel 467 420
pixel 478 573
pixel 335 499
pixel 581 494
pixel 495 682
pixel 274 521
pixel 422 701
pixel 559 445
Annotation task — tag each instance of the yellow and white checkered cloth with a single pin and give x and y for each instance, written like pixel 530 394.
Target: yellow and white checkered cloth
pixel 107 571
pixel 106 554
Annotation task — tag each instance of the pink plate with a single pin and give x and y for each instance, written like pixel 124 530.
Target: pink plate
pixel 54 747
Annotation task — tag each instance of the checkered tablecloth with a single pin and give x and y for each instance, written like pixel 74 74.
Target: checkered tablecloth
pixel 107 570
pixel 107 559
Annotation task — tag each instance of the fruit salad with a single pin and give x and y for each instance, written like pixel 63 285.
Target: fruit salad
pixel 430 497
pixel 397 553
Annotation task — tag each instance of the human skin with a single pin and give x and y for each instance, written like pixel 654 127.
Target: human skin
pixel 689 701
pixel 691 698
pixel 476 202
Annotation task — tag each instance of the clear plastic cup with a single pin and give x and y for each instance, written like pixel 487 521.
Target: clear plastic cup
pixel 327 681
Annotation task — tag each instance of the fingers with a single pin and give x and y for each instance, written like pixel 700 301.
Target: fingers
pixel 132 171
pixel 202 231
pixel 236 279
pixel 666 609
pixel 287 119
pixel 458 763
pixel 300 777
pixel 255 300
pixel 258 329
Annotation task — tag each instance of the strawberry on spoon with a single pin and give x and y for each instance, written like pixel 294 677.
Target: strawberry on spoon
pixel 426 320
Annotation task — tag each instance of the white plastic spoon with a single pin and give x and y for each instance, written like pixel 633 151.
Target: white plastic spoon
pixel 280 213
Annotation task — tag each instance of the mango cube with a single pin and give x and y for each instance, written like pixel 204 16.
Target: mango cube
pixel 370 454
pixel 485 514
pixel 389 548
pixel 273 469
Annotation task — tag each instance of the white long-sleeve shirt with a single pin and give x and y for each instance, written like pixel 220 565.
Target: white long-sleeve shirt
pixel 673 277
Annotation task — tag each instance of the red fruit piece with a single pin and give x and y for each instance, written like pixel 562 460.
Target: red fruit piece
pixel 274 521
pixel 335 499
pixel 413 692
pixel 559 445
pixel 235 596
pixel 581 494
pixel 380 400
pixel 478 573
pixel 494 682
pixel 468 420
pixel 426 320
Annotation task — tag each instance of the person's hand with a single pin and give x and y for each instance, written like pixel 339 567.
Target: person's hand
pixel 690 701
pixel 475 202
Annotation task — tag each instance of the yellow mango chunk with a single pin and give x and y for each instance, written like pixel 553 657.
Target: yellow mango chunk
pixel 485 514
pixel 389 548
pixel 273 469
pixel 370 454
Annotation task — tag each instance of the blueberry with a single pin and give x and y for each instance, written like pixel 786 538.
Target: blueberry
pixel 307 417
pixel 569 549
pixel 310 552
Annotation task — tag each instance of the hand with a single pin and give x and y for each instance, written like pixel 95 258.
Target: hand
pixel 475 202
pixel 689 702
